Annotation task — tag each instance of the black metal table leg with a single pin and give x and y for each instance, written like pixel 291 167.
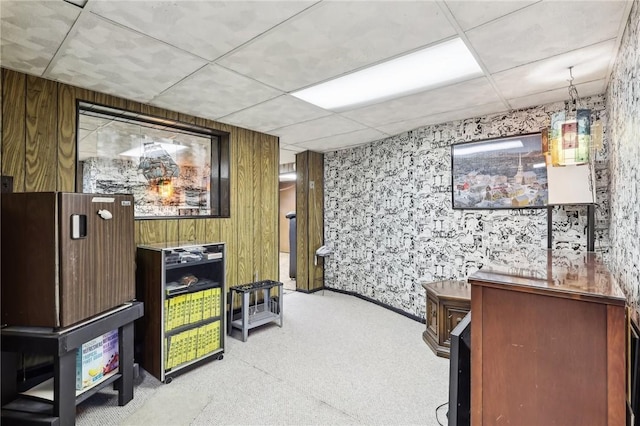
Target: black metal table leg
pixel 64 388
pixel 125 341
pixel 9 383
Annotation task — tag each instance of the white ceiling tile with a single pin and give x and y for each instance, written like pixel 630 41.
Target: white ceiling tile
pixel 214 92
pixel 344 140
pixel 584 90
pixel 107 58
pixel 32 32
pixel 205 28
pixel 477 111
pixel 275 113
pixel 314 129
pixel 338 37
pixel 590 63
pixel 140 50
pixel 469 93
pixel 545 29
pixel 470 14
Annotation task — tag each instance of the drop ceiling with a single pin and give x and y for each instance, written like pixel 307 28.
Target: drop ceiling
pixel 237 62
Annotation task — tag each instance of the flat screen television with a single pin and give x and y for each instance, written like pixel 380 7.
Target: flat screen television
pixel 502 173
pixel 460 374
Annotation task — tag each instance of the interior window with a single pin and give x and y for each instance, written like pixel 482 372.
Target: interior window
pixel 173 169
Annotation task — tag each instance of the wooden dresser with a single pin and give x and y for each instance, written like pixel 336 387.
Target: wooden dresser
pixel 547 343
pixel 447 302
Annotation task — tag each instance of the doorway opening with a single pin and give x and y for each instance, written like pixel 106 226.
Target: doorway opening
pixel 286 215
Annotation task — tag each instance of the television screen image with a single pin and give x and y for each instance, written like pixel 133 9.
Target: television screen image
pixel 460 374
pixel 503 173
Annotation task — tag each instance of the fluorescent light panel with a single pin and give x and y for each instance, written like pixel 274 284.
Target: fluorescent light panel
pixel 417 71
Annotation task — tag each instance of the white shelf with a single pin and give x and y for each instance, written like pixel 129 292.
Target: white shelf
pixel 44 390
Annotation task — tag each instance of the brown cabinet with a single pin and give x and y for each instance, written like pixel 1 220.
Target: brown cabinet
pixel 547 343
pixel 447 303
pixel 62 261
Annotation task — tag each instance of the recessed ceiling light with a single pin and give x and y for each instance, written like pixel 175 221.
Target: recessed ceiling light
pixel 427 68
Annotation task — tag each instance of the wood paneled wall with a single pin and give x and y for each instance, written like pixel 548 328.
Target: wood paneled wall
pixel 39 150
pixel 309 220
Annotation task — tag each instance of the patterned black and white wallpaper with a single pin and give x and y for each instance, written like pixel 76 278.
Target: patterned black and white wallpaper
pixel 623 106
pixel 389 220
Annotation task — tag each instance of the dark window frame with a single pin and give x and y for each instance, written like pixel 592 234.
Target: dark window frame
pixel 219 179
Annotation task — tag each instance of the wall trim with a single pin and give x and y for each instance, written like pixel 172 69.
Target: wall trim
pixel 384 305
pixel 315 290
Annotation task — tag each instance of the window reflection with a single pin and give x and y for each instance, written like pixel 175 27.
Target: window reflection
pixel 171 168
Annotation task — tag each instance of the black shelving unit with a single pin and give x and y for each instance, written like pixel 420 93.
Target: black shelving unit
pixel 184 287
pixel 20 408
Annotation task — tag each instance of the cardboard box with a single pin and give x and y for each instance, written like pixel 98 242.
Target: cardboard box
pixel 110 354
pixel 89 363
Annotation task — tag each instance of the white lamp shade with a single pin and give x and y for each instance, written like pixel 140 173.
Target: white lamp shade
pixel 570 185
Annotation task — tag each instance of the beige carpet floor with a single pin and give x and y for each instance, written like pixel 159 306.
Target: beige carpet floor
pixel 336 360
